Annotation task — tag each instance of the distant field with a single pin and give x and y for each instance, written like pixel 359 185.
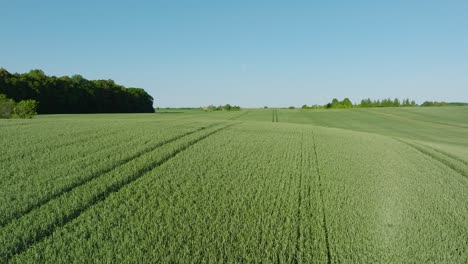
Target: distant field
pixel 383 185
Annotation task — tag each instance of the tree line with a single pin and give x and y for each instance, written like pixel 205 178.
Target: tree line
pixel 75 94
pixel 368 103
pixel 435 103
pixel 226 107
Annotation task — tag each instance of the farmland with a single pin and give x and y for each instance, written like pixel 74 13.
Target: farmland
pixel 258 185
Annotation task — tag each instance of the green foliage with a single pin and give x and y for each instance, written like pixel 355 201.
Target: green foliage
pixel 457 104
pixel 368 103
pixel 315 106
pixel 435 103
pixel 25 109
pixel 226 107
pixel 73 94
pixel 292 107
pixel 346 103
pixel 430 103
pixel 6 107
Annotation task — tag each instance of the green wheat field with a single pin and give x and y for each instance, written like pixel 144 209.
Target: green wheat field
pixel 383 185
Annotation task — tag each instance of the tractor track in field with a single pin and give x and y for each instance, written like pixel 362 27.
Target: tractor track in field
pixel 98 174
pixel 299 199
pixel 274 118
pixel 438 159
pixel 40 235
pixel 324 217
pixel 239 116
pixel 449 155
pixel 86 136
pixel 84 158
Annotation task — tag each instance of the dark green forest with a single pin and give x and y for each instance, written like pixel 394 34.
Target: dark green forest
pixel 75 94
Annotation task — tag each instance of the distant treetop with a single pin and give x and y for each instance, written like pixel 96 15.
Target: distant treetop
pixel 368 103
pixel 365 103
pixel 226 107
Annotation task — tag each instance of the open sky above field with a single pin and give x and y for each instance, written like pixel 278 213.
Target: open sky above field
pixel 248 53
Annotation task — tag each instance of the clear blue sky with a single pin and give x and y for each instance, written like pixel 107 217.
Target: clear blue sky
pixel 248 53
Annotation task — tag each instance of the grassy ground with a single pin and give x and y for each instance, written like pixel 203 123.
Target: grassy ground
pixel 272 185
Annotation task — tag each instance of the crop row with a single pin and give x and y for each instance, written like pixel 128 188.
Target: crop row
pixel 254 192
pixel 42 221
pixel 25 188
pixel 387 202
pixel 48 155
pixel 453 162
pixel 44 138
pixel 247 194
pixel 19 143
pixel 52 133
